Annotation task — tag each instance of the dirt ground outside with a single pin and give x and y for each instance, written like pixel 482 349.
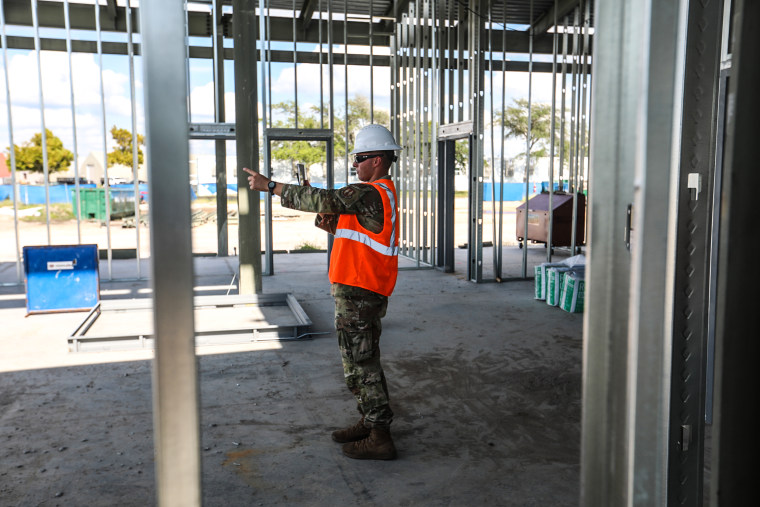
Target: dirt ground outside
pixel 292 230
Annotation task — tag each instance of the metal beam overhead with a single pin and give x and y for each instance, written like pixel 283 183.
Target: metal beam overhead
pixel 111 11
pixel 557 11
pixel 200 24
pixel 307 12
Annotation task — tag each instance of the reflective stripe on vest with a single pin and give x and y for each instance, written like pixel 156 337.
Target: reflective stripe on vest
pixel 366 240
pixel 392 200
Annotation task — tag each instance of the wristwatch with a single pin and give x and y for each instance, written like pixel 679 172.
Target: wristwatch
pixel 271 185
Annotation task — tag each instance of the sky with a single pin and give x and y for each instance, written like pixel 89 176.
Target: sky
pixel 88 74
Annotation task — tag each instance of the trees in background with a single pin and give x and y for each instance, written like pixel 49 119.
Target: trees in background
pixel 310 152
pixel 123 152
pixel 515 121
pixel 29 154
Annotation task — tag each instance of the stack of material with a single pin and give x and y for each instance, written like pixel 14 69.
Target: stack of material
pixel 554 284
pixel 573 291
pixel 562 283
pixel 541 277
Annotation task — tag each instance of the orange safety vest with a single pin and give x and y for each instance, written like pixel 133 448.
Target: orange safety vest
pixel 361 258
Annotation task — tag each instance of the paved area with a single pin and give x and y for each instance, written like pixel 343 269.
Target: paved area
pixel 485 384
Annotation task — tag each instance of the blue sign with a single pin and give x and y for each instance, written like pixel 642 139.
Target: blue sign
pixel 61 278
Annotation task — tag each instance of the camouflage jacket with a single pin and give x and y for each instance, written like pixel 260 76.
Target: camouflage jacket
pixel 358 199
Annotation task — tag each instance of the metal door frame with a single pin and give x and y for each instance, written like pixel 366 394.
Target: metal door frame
pixel 286 134
pixel 448 135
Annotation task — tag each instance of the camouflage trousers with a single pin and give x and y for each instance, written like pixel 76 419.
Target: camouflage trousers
pixel 357 322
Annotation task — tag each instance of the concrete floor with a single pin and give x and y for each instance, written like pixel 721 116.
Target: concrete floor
pixel 485 383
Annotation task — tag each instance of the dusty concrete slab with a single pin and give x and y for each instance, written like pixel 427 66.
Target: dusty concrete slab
pixel 485 383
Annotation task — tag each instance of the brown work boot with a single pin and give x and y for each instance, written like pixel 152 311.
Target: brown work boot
pixel 351 434
pixel 378 445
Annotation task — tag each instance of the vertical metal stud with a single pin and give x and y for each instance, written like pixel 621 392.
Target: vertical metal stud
pixel 175 382
pixel 106 181
pixel 555 45
pixel 632 296
pixel 415 112
pixel 524 267
pixel 78 205
pixel 563 107
pixel 331 89
pixel 502 163
pixel 246 129
pixel 494 257
pixel 693 256
pixel 45 166
pixel 345 84
pixel 452 48
pixel 476 71
pixel 220 145
pixel 604 443
pixel 321 71
pixel 135 137
pixel 371 63
pixel 14 185
pixel 435 121
pixel 461 32
pixel 295 66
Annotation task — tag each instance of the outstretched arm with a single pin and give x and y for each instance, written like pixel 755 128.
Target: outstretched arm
pixel 257 181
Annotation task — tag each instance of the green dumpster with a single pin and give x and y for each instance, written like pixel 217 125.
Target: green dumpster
pixel 93 203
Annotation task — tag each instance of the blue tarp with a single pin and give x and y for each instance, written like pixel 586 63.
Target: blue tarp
pixel 35 194
pixel 516 191
pixel 143 188
pixel 512 191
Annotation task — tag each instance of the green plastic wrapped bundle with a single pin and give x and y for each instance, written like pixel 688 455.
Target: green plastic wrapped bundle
pixel 573 292
pixel 554 284
pixel 541 278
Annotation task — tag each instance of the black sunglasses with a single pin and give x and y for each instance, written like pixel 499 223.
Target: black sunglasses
pixel 361 158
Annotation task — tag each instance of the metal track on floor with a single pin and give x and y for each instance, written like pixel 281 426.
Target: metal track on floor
pixel 128 324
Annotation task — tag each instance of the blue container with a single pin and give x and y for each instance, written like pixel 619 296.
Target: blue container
pixel 61 278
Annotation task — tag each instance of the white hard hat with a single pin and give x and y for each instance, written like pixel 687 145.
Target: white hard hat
pixel 374 138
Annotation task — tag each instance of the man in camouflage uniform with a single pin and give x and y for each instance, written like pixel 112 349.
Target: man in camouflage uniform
pixel 358 311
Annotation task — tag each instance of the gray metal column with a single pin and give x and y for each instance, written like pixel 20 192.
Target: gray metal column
pixel 615 102
pixel 175 384
pixel 219 117
pixel 246 127
pixel 476 68
pixel 692 268
pixel 135 137
pixel 650 325
pixel 734 477
pixel 11 144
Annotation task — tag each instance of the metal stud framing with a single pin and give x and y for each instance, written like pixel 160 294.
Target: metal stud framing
pixel 646 346
pixel 693 251
pixel 734 462
pixel 432 84
pixel 647 310
pixel 12 157
pixel 175 381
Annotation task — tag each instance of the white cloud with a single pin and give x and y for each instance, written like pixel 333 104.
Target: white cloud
pixel 309 84
pixel 56 87
pixel 202 104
